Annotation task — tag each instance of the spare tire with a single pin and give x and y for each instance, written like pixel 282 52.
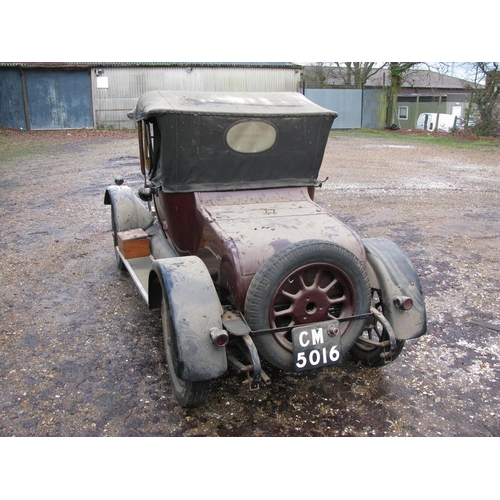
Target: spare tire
pixel 306 282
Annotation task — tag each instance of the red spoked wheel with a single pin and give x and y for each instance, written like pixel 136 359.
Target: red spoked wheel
pixel 312 293
pixel 306 282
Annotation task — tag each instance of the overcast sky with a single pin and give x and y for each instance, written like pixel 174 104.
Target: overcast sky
pixel 223 30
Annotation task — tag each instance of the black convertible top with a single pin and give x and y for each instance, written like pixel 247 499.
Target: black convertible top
pixel 216 141
pixel 157 102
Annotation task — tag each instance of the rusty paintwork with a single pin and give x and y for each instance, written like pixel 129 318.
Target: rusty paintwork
pixel 235 232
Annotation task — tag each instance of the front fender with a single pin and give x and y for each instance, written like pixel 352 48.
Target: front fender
pixel 195 309
pixel 128 210
pixel 390 271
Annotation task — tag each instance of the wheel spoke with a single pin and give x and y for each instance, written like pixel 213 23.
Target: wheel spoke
pixel 315 283
pixel 283 312
pixel 337 300
pixel 303 285
pixel 328 287
pixel 289 295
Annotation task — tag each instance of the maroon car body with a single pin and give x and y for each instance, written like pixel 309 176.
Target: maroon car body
pixel 235 232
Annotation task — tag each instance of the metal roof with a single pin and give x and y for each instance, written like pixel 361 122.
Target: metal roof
pixel 412 79
pixel 152 64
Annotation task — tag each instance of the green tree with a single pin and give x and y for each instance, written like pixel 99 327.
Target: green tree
pixel 487 99
pixel 397 71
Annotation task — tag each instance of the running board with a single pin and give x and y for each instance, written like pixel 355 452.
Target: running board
pixel 138 269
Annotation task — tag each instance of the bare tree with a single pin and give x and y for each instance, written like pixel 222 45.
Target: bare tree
pixel 348 74
pixel 356 74
pixel 318 74
pixel 484 84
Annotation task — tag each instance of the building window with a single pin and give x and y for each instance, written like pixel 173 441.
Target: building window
pixel 403 112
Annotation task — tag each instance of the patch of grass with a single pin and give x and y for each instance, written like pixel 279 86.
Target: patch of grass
pixel 11 148
pixel 454 140
pixel 15 144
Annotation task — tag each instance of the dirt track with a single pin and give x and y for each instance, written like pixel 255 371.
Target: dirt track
pixel 81 354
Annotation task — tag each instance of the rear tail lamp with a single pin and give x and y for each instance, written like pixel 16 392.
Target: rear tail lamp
pixel 404 303
pixel 219 337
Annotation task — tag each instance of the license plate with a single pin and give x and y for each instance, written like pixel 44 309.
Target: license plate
pixel 315 346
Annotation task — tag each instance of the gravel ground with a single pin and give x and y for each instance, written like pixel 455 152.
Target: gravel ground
pixel 81 354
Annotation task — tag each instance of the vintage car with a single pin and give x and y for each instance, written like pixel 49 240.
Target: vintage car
pixel 226 238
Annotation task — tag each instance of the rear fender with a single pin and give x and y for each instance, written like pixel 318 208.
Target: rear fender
pixel 195 309
pixel 129 211
pixel 390 271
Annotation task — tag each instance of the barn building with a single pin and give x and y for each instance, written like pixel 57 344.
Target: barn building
pixel 53 96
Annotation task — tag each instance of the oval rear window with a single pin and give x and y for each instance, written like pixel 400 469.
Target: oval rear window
pixel 252 136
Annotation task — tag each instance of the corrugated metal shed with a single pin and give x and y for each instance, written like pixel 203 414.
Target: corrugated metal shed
pixel 116 87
